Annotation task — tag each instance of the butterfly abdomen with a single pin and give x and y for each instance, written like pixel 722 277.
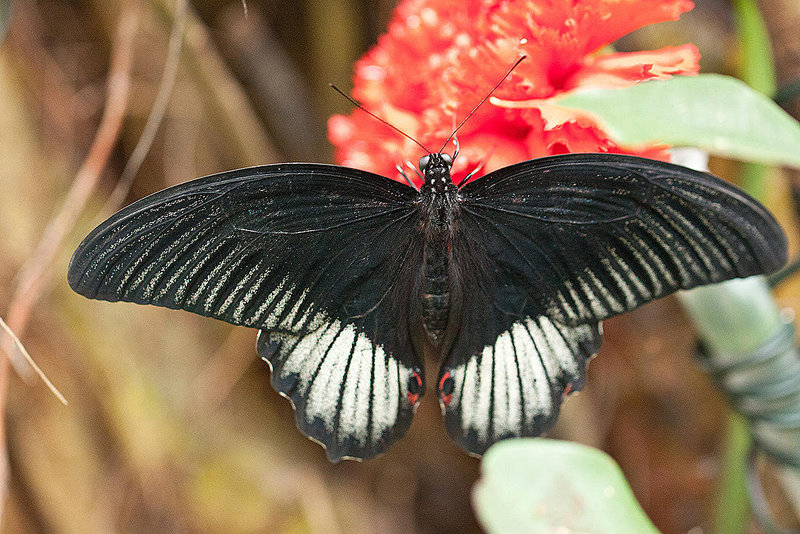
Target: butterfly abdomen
pixel 435 292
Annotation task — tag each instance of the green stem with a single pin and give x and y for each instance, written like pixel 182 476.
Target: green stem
pixel 758 70
pixel 756 65
pixel 733 318
pixel 731 507
pixel 736 317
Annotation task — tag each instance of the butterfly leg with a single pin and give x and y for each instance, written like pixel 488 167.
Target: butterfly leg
pixel 404 175
pixel 471 174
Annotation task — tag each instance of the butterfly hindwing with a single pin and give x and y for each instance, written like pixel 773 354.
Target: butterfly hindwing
pixel 315 256
pixel 350 390
pixel 514 387
pixel 509 366
pixel 349 394
pixel 596 235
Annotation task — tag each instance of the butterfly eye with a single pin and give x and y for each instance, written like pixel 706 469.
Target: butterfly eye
pixel 447 159
pixel 423 162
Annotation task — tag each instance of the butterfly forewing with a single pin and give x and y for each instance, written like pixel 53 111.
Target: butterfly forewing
pixel 314 256
pixel 595 235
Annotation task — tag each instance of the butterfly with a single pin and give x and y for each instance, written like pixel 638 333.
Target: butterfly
pixel 348 275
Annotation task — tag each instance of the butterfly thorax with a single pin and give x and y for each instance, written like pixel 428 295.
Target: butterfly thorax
pixel 438 195
pixel 438 203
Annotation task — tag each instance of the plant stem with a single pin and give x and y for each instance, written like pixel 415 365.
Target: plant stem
pixel 733 318
pixel 731 507
pixel 738 317
pixel 758 70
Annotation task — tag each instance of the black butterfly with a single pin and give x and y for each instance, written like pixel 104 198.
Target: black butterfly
pixel 348 275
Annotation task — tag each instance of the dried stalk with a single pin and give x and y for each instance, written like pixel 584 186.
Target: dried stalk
pixel 227 101
pixel 33 273
pixel 156 115
pixel 263 65
pixel 32 276
pixel 23 352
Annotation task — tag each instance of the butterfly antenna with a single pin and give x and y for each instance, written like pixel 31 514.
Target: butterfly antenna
pixel 371 114
pixel 485 98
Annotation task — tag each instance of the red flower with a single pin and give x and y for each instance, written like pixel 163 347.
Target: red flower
pixel 440 57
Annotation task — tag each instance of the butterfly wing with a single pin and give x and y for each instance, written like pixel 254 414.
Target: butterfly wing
pixel 509 366
pixel 316 256
pixel 596 235
pixel 546 249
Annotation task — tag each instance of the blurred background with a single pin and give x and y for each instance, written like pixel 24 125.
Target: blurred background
pixel 172 425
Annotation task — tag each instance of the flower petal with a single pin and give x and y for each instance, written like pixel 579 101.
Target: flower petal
pixel 621 17
pixel 624 69
pixel 439 58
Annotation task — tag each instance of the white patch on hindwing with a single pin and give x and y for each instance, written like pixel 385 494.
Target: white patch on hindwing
pixel 508 410
pixel 512 384
pixel 346 382
pixel 324 392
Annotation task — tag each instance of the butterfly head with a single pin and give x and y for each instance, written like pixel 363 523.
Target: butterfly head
pixel 436 169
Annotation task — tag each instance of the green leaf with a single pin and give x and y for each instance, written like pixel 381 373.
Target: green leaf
pixel 717 113
pixel 540 485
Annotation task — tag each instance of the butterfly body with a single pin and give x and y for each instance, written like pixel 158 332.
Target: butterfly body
pixel 345 273
pixel 438 211
pixel 435 291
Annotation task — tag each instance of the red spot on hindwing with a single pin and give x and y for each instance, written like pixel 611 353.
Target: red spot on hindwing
pixel 414 388
pixel 446 385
